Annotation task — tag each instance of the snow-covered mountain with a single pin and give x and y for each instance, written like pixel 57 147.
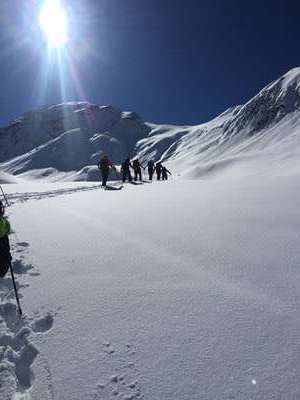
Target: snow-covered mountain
pixel 68 137
pixel 71 137
pixel 178 290
pixel 268 124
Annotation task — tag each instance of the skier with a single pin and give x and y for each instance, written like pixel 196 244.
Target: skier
pixel 125 169
pixel 137 168
pixel 5 256
pixel 150 167
pixel 164 173
pixel 104 165
pixel 158 168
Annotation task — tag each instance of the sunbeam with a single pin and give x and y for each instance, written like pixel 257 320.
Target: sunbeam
pixel 53 22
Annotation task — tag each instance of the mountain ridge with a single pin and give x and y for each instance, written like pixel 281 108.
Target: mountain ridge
pixel 70 137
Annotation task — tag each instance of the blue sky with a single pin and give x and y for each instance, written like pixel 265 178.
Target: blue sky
pixel 170 61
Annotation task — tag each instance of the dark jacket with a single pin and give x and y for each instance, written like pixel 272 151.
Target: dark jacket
pixel 5 256
pixel 136 165
pixel 126 165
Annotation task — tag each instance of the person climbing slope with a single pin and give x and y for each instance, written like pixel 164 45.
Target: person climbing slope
pixel 125 169
pixel 137 168
pixel 105 165
pixel 158 169
pixel 150 167
pixel 5 256
pixel 164 173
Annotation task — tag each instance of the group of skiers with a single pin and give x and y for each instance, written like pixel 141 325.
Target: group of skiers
pixel 105 164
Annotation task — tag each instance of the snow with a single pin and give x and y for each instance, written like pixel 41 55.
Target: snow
pixel 183 289
pixel 68 137
pixel 7 178
pixel 186 289
pixel 65 141
pixel 268 123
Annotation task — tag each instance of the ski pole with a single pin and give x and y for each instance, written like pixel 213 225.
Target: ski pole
pixel 15 288
pixel 5 197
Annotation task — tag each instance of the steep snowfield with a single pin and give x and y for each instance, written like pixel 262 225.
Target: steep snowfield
pixel 181 290
pixel 268 125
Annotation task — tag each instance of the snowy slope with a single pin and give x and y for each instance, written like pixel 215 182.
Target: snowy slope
pixel 178 290
pixel 268 123
pixel 7 178
pixel 167 291
pixel 65 141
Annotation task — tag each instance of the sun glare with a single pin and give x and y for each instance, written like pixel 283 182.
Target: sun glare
pixel 53 22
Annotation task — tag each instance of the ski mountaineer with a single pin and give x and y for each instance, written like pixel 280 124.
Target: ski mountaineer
pixel 125 169
pixel 158 168
pixel 164 173
pixel 104 165
pixel 150 167
pixel 137 168
pixel 5 256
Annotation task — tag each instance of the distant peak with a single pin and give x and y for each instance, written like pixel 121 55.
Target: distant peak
pixel 293 72
pixel 291 78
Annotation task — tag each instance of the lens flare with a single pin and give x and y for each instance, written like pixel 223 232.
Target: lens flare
pixel 54 23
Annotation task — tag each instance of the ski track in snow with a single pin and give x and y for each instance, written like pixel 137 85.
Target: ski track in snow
pixel 15 198
pixel 17 352
pixel 123 383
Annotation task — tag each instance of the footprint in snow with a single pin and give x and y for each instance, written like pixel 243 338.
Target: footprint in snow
pixel 23 244
pixel 6 285
pixel 108 348
pixel 19 266
pixel 43 324
pixel 20 247
pixel 17 352
pixel 7 289
pixel 123 383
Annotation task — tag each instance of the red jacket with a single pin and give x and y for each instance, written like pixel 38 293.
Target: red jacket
pixel 105 163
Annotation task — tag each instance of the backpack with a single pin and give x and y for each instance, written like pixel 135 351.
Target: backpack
pixel 104 163
pixel 136 164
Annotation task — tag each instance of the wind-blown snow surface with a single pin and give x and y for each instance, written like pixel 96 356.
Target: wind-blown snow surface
pixel 182 290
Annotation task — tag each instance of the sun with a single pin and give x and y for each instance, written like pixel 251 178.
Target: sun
pixel 54 23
